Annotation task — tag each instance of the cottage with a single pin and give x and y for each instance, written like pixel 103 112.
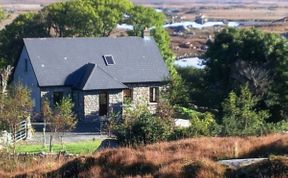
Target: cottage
pixel 99 74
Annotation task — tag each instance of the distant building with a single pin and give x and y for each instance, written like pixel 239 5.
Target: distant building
pixel 201 19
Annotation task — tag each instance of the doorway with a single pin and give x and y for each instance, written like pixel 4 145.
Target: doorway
pixel 103 103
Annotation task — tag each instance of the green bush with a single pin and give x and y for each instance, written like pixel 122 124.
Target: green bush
pixel 281 126
pixel 240 115
pixel 202 124
pixel 139 126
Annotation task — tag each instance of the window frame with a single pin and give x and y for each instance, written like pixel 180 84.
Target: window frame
pixel 106 61
pixel 154 94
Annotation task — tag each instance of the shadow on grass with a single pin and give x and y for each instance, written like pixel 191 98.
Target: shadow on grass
pixel 108 143
pixel 80 167
pixel 278 147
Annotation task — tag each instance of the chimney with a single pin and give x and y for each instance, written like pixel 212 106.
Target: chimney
pixel 146 34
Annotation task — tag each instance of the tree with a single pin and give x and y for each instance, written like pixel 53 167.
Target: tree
pixel 11 37
pixel 240 56
pixel 85 17
pixel 240 114
pixel 111 16
pixel 144 17
pixel 59 119
pixel 5 75
pixel 194 79
pixel 16 106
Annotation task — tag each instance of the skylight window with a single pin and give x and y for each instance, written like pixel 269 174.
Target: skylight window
pixel 109 60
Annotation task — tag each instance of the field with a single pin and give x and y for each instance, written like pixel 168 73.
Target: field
pixel 195 157
pixel 215 9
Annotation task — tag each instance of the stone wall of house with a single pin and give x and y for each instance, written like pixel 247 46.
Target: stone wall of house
pixel 87 103
pixel 91 104
pixel 141 95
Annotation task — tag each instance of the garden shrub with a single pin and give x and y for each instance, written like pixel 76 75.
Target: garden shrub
pixel 139 126
pixel 240 115
pixel 201 124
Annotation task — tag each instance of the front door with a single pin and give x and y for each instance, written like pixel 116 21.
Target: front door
pixel 103 103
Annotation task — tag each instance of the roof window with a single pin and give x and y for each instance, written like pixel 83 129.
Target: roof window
pixel 109 60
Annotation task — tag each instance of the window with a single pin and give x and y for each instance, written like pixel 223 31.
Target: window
pixel 128 94
pixel 57 97
pixel 26 65
pixel 154 94
pixel 109 60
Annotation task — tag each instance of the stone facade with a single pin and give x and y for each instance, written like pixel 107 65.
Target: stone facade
pixel 91 105
pixel 86 103
pixel 140 95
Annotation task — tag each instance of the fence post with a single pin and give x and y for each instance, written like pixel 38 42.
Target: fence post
pixel 29 129
pixel 44 136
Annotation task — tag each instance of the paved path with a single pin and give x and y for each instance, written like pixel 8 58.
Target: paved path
pixel 38 137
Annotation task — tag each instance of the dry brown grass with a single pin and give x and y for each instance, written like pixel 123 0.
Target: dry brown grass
pixel 193 157
pixel 10 165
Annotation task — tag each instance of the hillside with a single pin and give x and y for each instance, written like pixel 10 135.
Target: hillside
pixel 195 157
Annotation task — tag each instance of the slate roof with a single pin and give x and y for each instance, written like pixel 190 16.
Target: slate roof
pixel 92 81
pixel 78 62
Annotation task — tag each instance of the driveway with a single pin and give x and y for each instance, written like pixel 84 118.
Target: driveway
pixel 38 137
pixel 83 131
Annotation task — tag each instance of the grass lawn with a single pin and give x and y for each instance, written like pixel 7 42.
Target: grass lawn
pixel 81 147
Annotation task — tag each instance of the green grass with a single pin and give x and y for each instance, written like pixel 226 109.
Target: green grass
pixel 82 147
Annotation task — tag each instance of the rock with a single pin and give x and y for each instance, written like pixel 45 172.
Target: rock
pixel 182 123
pixel 238 163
